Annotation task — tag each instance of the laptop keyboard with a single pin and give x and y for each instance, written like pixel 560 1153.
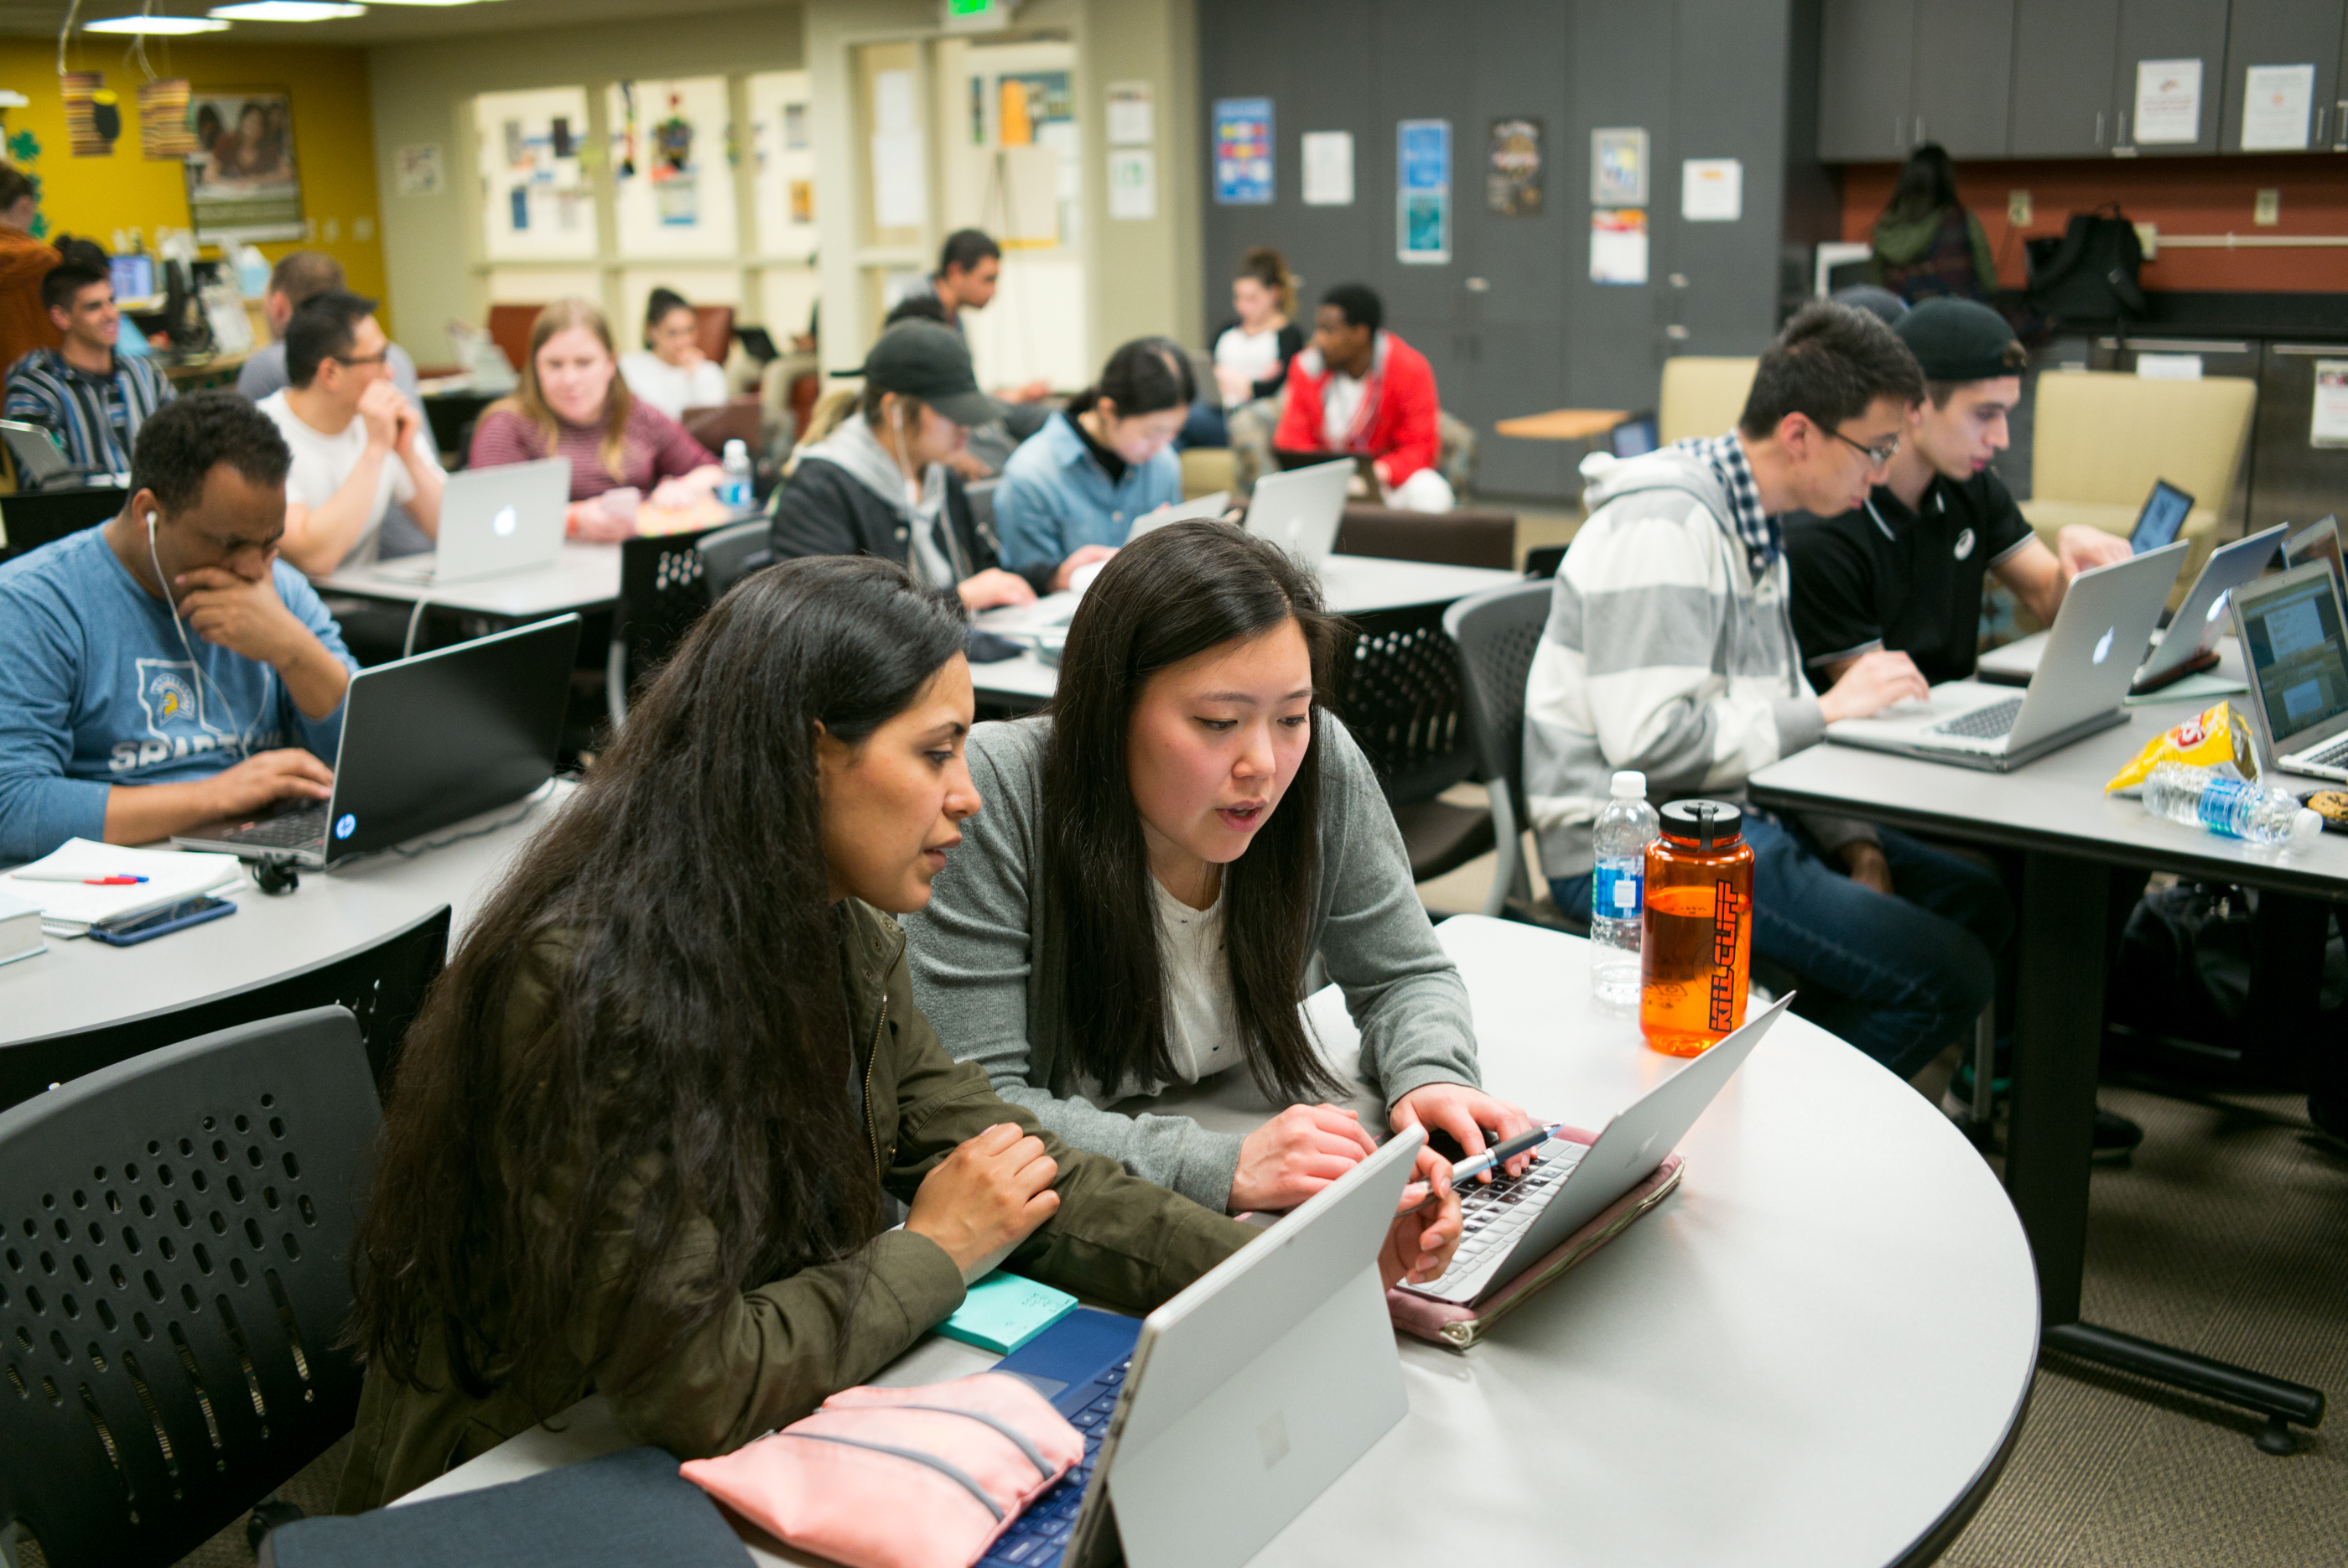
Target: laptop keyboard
pixel 1038 1538
pixel 1991 723
pixel 1493 1216
pixel 303 827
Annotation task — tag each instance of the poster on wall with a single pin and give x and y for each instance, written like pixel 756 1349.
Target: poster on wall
pixel 241 181
pixel 2327 424
pixel 1243 153
pixel 1512 179
pixel 1618 245
pixel 2167 102
pixel 1328 159
pixel 2275 101
pixel 1423 191
pixel 1132 183
pixel 419 168
pixel 1618 167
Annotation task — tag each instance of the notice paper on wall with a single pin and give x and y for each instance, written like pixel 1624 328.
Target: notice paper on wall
pixel 1618 245
pixel 1423 191
pixel 900 191
pixel 1712 189
pixel 1132 114
pixel 1132 182
pixel 2328 425
pixel 1328 169
pixel 2276 103
pixel 2167 102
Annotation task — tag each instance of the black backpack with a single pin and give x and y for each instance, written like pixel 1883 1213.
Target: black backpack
pixel 2089 274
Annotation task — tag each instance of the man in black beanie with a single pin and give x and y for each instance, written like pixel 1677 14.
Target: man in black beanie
pixel 1904 571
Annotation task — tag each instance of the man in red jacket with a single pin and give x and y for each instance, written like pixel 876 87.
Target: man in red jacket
pixel 1361 390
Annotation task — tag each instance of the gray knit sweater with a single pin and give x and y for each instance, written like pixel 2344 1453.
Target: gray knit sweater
pixel 986 960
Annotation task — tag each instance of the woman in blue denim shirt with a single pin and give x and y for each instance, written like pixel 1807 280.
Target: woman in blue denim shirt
pixel 1100 463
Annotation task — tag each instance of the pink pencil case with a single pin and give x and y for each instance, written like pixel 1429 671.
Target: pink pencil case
pixel 1455 1325
pixel 900 1478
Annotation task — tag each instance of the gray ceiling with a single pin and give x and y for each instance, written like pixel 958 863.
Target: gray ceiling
pixel 381 24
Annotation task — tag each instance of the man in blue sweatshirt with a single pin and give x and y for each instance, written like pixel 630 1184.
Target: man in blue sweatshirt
pixel 165 669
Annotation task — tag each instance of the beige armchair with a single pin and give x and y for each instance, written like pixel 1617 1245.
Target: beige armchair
pixel 1701 396
pixel 2101 438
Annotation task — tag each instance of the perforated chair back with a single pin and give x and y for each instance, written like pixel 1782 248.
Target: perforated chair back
pixel 662 594
pixel 1399 693
pixel 174 1279
pixel 1496 633
pixel 731 553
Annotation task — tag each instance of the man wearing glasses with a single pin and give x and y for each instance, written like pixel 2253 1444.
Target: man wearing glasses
pixel 1669 650
pixel 358 445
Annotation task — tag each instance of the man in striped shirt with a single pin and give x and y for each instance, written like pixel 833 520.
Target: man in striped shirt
pixel 91 399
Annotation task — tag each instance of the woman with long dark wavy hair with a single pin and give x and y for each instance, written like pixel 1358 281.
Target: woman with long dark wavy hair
pixel 638 1140
pixel 1169 847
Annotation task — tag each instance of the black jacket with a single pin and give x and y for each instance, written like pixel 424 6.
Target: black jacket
pixel 827 510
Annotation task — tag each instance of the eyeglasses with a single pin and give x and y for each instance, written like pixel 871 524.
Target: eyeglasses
pixel 360 358
pixel 1877 457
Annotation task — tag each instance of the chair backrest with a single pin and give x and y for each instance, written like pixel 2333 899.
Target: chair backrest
pixel 1496 633
pixel 730 554
pixel 1702 396
pixel 30 519
pixel 510 327
pixel 713 331
pixel 662 594
pixel 739 419
pixel 174 1280
pixel 1467 537
pixel 980 494
pixel 2101 436
pixel 1398 692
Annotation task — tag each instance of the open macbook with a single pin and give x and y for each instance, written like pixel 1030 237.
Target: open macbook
pixel 2320 542
pixel 495 522
pixel 426 741
pixel 1213 1421
pixel 2189 644
pixel 1048 618
pixel 2296 651
pixel 2163 514
pixel 2092 652
pixel 1300 510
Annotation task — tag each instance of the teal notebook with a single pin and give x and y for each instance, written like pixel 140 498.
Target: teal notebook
pixel 1004 1311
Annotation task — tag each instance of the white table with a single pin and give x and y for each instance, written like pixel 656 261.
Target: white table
pixel 1350 585
pixel 583 577
pixel 2071 834
pixel 1816 1353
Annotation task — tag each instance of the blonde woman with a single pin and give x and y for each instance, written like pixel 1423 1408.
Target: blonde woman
pixel 572 404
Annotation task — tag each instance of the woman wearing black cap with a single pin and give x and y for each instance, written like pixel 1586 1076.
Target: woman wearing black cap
pixel 882 485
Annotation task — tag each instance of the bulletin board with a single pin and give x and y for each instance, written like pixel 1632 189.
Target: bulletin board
pixel 781 145
pixel 537 206
pixel 672 167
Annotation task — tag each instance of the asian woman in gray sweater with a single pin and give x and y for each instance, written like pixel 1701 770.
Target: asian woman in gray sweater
pixel 1161 854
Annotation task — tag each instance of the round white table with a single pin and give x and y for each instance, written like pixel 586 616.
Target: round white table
pixel 1816 1353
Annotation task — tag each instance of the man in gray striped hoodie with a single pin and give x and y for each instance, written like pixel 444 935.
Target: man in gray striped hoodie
pixel 1669 650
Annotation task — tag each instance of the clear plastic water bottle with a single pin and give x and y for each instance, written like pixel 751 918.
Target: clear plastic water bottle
pixel 2218 801
pixel 734 489
pixel 1616 890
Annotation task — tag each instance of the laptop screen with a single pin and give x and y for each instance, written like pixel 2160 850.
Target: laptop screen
pixel 134 276
pixel 2163 514
pixel 2296 644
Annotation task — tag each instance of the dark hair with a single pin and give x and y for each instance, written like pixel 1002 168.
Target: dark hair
pixel 1928 184
pixel 965 248
pixel 923 306
pixel 659 303
pixel 179 443
pixel 1358 303
pixel 302 276
pixel 1144 377
pixel 1828 364
pixel 84 252
pixel 14 185
pixel 1270 268
pixel 1174 593
pixel 691 1059
pixel 325 327
pixel 68 278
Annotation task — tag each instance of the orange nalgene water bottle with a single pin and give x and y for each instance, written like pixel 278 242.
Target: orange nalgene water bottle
pixel 1695 955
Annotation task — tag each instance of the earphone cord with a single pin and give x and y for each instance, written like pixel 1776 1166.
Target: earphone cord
pixel 415 619
pixel 912 516
pixel 195 669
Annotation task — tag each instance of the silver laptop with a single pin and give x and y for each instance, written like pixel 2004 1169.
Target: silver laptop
pixel 42 462
pixel 1300 510
pixel 2092 652
pixel 1515 1221
pixel 494 523
pixel 2191 640
pixel 1048 616
pixel 1211 505
pixel 2296 651
pixel 1253 1389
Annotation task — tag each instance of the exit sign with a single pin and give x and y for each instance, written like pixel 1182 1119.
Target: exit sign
pixel 976 15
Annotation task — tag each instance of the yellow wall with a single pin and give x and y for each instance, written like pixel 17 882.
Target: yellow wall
pixel 333 141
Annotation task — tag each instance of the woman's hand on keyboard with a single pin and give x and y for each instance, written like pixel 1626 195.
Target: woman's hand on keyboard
pixel 1464 1113
pixel 1295 1154
pixel 1420 1242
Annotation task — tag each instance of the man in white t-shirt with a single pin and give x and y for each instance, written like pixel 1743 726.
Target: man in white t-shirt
pixel 358 445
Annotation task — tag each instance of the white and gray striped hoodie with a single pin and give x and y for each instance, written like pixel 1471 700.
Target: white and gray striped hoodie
pixel 1663 653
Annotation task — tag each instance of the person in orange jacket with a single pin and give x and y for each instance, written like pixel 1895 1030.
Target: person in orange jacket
pixel 24 322
pixel 1358 389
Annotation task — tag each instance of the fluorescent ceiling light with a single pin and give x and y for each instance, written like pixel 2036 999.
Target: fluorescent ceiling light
pixel 424 2
pixel 155 26
pixel 287 11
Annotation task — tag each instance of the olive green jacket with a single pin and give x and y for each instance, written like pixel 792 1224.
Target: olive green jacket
pixel 784 1344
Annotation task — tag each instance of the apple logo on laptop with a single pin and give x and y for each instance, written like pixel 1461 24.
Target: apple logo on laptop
pixel 2218 606
pixel 2104 645
pixel 503 523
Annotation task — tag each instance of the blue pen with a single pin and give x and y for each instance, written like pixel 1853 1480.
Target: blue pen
pixel 1501 1153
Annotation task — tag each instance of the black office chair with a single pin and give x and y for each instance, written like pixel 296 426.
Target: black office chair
pixel 980 494
pixel 1496 633
pixel 1398 692
pixel 731 553
pixel 31 519
pixel 662 594
pixel 174 1280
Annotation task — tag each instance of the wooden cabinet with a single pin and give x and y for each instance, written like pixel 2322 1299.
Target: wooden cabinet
pixel 2285 33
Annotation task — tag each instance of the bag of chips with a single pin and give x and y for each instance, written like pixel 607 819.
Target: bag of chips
pixel 2210 739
